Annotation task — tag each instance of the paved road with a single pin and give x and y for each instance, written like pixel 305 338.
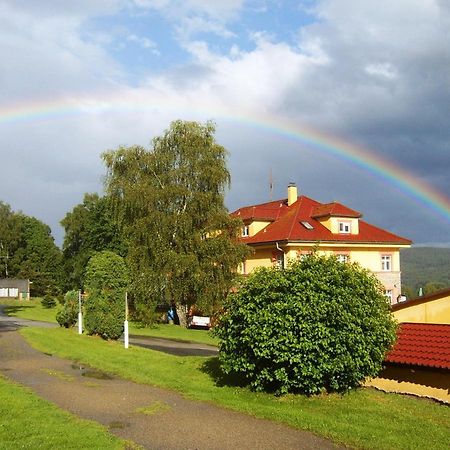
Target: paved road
pixel 152 417
pixel 170 346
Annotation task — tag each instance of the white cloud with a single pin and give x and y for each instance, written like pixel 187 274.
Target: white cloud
pixel 376 71
pixel 218 10
pixel 144 42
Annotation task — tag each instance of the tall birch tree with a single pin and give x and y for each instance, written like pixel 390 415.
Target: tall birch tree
pixel 169 201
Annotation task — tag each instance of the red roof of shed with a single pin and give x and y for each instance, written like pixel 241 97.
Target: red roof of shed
pixel 422 344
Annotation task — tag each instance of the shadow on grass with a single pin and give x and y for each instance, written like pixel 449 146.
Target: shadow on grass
pixel 212 368
pixel 11 310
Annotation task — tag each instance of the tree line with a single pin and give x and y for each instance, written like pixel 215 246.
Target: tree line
pixel 163 211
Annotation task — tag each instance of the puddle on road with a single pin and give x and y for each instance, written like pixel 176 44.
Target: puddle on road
pixel 91 373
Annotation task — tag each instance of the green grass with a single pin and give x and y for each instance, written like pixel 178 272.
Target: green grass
pixel 174 332
pixel 365 418
pixel 29 309
pixel 33 310
pixel 27 421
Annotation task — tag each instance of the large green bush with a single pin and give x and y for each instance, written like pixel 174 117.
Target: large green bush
pixel 106 281
pixel 320 325
pixel 68 315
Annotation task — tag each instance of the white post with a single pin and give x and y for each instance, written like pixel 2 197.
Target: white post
pixel 125 324
pixel 80 315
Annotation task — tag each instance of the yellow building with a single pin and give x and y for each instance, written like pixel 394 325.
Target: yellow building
pixel 284 230
pixel 433 308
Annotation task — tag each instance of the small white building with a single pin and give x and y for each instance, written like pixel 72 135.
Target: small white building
pixel 14 288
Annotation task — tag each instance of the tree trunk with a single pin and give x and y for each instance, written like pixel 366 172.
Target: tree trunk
pixel 181 313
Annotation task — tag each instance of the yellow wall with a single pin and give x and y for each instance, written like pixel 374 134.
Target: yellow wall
pixel 256 227
pixel 332 223
pixel 431 311
pixel 425 383
pixel 261 258
pixel 368 256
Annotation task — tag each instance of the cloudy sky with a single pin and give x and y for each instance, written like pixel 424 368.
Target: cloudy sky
pixel 295 88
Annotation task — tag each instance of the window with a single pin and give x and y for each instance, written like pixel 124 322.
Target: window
pixel 343 258
pixel 345 227
pixel 279 261
pixel 388 294
pixel 307 225
pixel 245 231
pixel 386 263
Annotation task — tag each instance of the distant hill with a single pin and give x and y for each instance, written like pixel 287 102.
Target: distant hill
pixel 425 265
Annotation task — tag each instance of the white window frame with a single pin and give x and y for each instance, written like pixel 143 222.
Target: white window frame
pixel 279 261
pixel 245 231
pixel 389 293
pixel 343 257
pixel 386 263
pixel 345 227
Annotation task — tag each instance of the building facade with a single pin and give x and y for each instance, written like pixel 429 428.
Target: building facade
pixel 283 230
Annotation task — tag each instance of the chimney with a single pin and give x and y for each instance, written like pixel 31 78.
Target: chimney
pixel 292 193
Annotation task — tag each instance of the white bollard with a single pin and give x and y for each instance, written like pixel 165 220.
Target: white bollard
pixel 125 333
pixel 80 323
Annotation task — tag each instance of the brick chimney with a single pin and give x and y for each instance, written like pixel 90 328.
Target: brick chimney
pixel 292 193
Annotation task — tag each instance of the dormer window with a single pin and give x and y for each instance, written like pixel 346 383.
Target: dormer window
pixel 245 231
pixel 345 227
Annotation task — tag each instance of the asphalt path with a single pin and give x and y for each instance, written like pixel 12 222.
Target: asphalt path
pixel 170 346
pixel 149 416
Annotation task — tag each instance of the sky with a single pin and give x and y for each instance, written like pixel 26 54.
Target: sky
pixel 349 100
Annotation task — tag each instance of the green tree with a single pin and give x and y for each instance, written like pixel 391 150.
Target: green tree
pixel 320 325
pixel 41 258
pixel 89 228
pixel 10 237
pixel 28 250
pixel 432 287
pixel 106 283
pixel 68 315
pixel 169 200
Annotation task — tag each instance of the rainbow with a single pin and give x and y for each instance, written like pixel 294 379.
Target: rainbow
pixel 131 102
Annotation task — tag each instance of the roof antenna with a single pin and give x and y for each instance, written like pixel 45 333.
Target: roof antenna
pixel 270 184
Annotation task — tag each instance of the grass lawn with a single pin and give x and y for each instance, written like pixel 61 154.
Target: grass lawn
pixel 174 332
pixel 365 418
pixel 35 311
pixel 29 422
pixel 29 309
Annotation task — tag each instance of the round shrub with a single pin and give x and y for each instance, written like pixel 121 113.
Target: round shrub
pixel 68 315
pixel 48 301
pixel 106 281
pixel 320 325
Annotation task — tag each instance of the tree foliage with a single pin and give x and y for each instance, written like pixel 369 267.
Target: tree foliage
pixel 89 228
pixel 318 325
pixel 67 317
pixel 426 268
pixel 169 201
pixel 106 283
pixel 28 250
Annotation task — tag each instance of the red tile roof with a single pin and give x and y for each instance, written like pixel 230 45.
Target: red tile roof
pixel 334 209
pixel 422 344
pixel 287 223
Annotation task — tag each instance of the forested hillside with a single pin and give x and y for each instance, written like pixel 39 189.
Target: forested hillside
pixel 425 267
